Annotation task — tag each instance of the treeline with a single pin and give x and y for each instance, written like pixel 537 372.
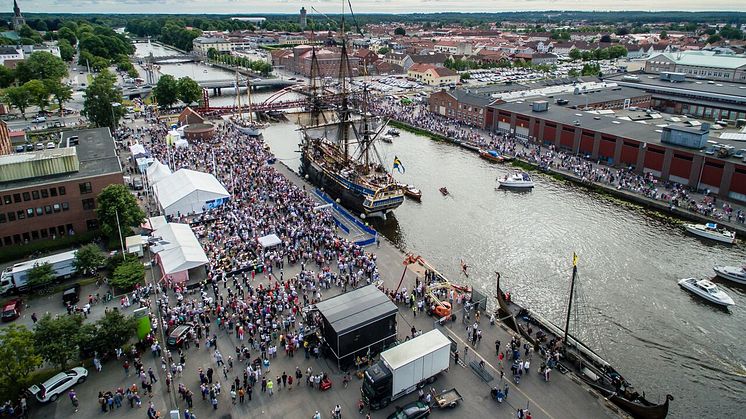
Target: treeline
pixel 258 66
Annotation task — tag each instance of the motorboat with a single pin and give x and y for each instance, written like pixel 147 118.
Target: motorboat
pixel 410 191
pixel 393 132
pixel 491 155
pixel 731 273
pixel 444 191
pixel 707 290
pixel 712 231
pixel 387 138
pixel 516 181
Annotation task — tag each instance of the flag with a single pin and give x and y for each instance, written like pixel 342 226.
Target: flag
pixel 398 166
pixel 574 260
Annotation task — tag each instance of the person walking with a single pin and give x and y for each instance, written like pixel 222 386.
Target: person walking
pixel 270 386
pixel 74 399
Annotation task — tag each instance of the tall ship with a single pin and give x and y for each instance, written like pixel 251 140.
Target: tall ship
pixel 338 145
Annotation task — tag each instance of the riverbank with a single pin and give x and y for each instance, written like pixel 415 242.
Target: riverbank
pixel 659 207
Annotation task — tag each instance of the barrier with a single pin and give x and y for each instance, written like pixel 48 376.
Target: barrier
pixel 341 210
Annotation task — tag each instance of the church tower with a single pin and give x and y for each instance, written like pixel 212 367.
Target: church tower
pixel 303 20
pixel 18 19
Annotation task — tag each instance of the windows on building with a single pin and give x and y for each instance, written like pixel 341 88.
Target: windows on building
pixel 85 188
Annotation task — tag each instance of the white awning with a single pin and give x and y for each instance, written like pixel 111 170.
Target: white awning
pixel 156 172
pixel 178 248
pixel 269 240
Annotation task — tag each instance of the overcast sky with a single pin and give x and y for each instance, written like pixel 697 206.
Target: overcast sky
pixel 360 6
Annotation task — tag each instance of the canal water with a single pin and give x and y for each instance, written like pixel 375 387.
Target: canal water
pixel 631 309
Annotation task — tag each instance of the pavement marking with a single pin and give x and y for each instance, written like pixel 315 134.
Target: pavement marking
pixel 456 336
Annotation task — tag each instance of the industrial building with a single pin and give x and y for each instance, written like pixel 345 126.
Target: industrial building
pixel 707 65
pixel 49 193
pixel 671 151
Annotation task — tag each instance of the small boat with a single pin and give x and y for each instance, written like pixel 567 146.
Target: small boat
pixel 393 132
pixel 410 191
pixel 516 181
pixel 204 71
pixel 712 232
pixel 444 191
pixel 707 290
pixel 731 273
pixel 491 155
pixel 387 139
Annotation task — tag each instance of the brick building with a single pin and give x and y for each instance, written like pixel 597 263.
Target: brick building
pixel 463 106
pixel 52 193
pixel 298 60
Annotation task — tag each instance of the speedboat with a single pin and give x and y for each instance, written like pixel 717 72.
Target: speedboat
pixel 491 155
pixel 712 232
pixel 410 191
pixel 393 132
pixel 731 273
pixel 707 290
pixel 387 139
pixel 516 181
pixel 444 191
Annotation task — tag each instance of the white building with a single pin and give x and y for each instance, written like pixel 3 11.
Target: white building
pixel 202 44
pixel 10 54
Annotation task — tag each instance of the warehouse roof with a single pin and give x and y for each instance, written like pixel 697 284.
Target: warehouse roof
pixel 727 90
pixel 703 59
pixel 347 312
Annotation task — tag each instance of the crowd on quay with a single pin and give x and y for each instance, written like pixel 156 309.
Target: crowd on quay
pixel 548 157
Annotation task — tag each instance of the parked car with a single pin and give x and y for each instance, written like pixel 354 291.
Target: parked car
pixel 50 144
pixel 20 149
pixel 40 146
pixel 12 310
pixel 178 335
pixel 414 410
pixel 51 389
pixel 137 183
pixel 29 147
pixel 40 119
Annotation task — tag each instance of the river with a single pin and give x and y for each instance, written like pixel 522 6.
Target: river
pixel 662 339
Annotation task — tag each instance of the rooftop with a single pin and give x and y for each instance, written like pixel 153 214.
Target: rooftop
pixel 95 153
pixel 703 59
pixel 714 89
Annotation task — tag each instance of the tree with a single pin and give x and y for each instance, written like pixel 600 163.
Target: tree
pixel 99 99
pixel 664 35
pixel 67 51
pixel 189 90
pixel 60 91
pixel 41 65
pixel 19 98
pixel 40 275
pixel 127 275
pixel 113 200
pixel 107 334
pixel 88 258
pixel 38 93
pixel 68 35
pixel 7 77
pixel 575 54
pixel 56 339
pixel 18 358
pixel 713 39
pixel 400 31
pixel 383 50
pixel 622 30
pixel 167 90
pixel 605 38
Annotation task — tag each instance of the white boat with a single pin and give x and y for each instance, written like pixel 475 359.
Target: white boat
pixel 707 290
pixel 711 231
pixel 516 181
pixel 731 273
pixel 393 131
pixel 387 139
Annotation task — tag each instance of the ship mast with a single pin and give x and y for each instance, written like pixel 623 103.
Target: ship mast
pixel 569 301
pixel 238 98
pixel 248 93
pixel 344 109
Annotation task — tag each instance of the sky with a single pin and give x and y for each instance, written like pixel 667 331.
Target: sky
pixel 360 6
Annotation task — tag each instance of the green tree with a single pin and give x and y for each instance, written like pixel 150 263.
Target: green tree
pixel 383 50
pixel 40 275
pixel 88 259
pixel 18 358
pixel 713 39
pixel 167 90
pixel 575 54
pixel 56 339
pixel 41 65
pixel 7 77
pixel 67 51
pixel 99 99
pixel 27 32
pixel 189 90
pixel 18 97
pixel 61 92
pixel 68 35
pixel 113 200
pixel 400 31
pixel 664 35
pixel 38 93
pixel 127 275
pixel 112 331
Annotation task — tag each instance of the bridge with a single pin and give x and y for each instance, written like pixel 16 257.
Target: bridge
pixel 181 58
pixel 230 83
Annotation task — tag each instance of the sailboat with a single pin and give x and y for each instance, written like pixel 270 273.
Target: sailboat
pixel 250 127
pixel 338 146
pixel 587 365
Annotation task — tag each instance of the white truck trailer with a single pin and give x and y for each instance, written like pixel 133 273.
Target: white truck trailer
pixel 405 368
pixel 15 278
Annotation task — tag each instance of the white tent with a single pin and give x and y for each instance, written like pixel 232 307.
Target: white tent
pixel 156 172
pixel 186 191
pixel 178 249
pixel 270 240
pixel 154 223
pixel 138 150
pixel 143 163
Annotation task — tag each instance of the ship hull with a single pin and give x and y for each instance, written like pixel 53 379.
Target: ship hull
pixel 350 199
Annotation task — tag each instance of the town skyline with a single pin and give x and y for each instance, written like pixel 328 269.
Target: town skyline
pixel 364 6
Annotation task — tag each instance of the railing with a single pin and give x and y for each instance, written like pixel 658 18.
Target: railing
pixel 359 224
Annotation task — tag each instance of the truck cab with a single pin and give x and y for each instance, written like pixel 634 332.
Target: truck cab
pixel 377 384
